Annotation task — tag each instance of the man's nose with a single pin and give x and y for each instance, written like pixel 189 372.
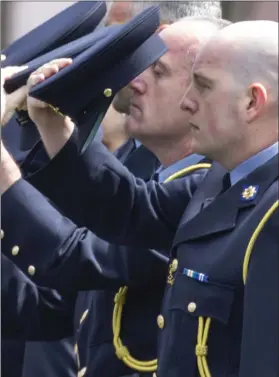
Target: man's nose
pixel 138 85
pixel 189 103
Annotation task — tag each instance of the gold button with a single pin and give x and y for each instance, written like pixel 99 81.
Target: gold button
pixel 2 234
pixel 83 316
pixel 174 265
pixel 160 321
pixel 15 250
pixel 76 349
pixel 108 92
pixel 192 307
pixel 31 270
pixel 82 372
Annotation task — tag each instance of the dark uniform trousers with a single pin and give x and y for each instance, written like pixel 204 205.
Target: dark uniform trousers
pixel 209 317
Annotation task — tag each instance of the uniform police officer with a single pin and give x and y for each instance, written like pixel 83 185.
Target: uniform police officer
pixel 223 262
pixel 138 324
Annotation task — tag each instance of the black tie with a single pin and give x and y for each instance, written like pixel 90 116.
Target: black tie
pixel 226 183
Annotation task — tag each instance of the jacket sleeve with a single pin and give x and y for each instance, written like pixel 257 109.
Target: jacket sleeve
pixel 260 336
pixel 96 191
pixel 31 312
pixel 53 250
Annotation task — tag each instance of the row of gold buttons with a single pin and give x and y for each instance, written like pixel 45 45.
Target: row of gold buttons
pixel 15 250
pixel 192 306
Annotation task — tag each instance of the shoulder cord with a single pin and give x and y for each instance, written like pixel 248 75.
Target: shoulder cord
pixel 254 238
pixel 203 329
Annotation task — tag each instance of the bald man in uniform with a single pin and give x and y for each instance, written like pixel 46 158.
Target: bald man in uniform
pixel 214 320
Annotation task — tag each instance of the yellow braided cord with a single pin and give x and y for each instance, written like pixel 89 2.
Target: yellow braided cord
pixel 202 338
pixel 254 237
pixel 201 347
pixel 185 171
pixel 121 351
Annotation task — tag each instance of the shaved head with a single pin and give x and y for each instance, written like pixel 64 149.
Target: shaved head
pixel 190 30
pixel 185 38
pixel 233 99
pixel 250 51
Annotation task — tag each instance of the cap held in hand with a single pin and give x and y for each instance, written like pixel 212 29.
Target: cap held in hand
pixel 85 89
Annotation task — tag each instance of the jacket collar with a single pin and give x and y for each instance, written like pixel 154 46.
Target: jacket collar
pixel 222 213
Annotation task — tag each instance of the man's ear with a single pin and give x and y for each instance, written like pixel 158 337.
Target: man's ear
pixel 257 99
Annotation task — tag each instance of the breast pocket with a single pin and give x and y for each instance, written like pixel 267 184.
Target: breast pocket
pixel 210 299
pixel 195 312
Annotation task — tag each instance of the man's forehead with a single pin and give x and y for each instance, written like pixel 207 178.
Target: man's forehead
pixel 211 56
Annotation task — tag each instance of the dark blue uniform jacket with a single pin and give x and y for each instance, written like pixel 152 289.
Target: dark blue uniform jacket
pixel 210 319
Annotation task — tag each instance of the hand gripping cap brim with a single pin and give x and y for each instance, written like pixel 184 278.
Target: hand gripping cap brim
pixel 79 90
pixel 72 23
pixel 29 135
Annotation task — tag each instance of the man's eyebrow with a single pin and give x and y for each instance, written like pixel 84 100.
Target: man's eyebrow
pixel 162 64
pixel 201 77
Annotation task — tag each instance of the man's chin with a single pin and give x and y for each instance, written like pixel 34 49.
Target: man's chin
pixel 195 146
pixel 131 126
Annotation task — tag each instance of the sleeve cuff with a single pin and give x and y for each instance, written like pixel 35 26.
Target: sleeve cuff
pixel 33 231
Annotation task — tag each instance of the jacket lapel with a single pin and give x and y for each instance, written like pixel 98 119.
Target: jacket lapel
pixel 125 150
pixel 208 189
pixel 222 213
